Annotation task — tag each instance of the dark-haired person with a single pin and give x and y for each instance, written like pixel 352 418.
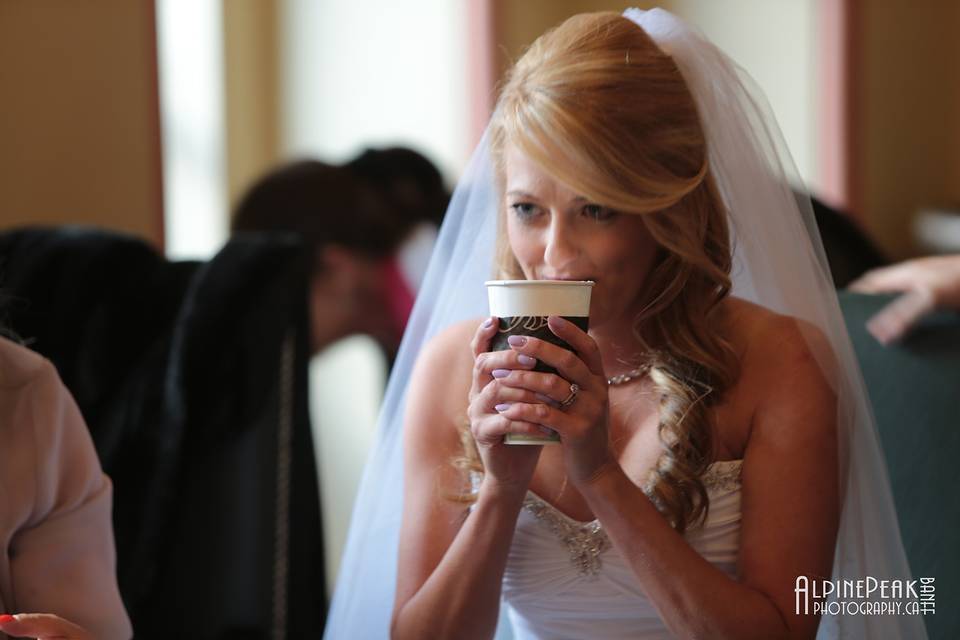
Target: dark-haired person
pixel 357 218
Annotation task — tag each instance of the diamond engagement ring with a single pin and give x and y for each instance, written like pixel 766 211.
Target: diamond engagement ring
pixel 570 399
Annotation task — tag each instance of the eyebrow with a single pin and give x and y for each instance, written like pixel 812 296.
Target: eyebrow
pixel 524 194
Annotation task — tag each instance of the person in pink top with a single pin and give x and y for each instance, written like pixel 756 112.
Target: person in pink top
pixel 55 504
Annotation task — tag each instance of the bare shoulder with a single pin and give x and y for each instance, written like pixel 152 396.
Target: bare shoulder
pixel 447 359
pixel 452 344
pixel 441 378
pixel 786 363
pixel 787 367
pixel 770 341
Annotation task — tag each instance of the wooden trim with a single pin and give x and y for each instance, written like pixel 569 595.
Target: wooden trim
pixel 853 111
pixel 481 66
pixel 838 136
pixel 156 134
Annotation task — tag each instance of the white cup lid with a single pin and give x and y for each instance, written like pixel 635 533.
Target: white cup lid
pixel 539 297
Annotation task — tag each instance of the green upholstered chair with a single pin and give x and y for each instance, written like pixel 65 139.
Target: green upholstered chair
pixel 914 386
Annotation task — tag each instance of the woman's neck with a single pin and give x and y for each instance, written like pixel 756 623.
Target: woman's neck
pixel 620 348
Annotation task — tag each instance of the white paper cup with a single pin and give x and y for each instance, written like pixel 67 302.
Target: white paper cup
pixel 523 306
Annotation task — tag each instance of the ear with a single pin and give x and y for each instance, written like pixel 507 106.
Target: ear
pixel 339 268
pixel 336 259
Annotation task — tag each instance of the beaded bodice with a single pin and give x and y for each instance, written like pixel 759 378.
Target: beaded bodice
pixel 586 541
pixel 564 578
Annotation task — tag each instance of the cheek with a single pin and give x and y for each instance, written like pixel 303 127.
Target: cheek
pixel 626 262
pixel 634 261
pixel 522 244
pixel 636 248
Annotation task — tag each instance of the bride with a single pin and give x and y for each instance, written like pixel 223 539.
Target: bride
pixel 715 441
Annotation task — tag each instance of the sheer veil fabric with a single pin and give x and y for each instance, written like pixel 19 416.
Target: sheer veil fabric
pixel 778 262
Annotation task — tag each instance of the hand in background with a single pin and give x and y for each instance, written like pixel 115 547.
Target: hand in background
pixel 925 284
pixel 43 626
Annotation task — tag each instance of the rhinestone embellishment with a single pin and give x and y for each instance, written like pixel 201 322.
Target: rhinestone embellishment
pixel 585 541
pixel 723 476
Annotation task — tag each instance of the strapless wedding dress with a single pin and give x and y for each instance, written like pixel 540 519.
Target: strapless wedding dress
pixel 564 579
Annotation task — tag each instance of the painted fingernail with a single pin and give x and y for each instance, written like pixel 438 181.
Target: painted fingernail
pixel 557 321
pixel 6 618
pixel 517 341
pixel 488 323
pixel 526 360
pixel 502 406
pixel 500 373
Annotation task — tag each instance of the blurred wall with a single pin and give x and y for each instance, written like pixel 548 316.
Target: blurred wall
pixel 79 124
pixel 909 114
pixel 375 73
pixel 251 60
pixel 79 132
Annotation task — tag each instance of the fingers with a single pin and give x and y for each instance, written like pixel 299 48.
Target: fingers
pixel 486 363
pixel 895 319
pixel 492 430
pixel 44 626
pixel 483 334
pixel 495 394
pixel 515 399
pixel 550 418
pixel 490 426
pixel 940 275
pixel 918 280
pixel 566 362
pixel 892 279
pixel 487 411
pixel 548 388
pixel 585 346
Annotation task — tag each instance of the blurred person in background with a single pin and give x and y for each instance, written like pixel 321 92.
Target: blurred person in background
pixel 362 220
pixel 58 553
pixel 174 364
pixel 924 284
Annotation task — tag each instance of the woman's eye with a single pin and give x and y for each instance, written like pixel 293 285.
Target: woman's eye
pixel 524 210
pixel 597 212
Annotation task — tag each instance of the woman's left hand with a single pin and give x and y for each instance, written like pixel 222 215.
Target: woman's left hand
pixel 42 626
pixel 583 424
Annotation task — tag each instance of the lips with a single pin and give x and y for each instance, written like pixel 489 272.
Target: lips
pixel 574 278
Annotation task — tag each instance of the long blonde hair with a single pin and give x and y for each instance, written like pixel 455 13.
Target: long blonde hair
pixel 601 108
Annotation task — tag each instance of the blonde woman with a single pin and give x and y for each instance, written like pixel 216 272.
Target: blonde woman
pixel 715 445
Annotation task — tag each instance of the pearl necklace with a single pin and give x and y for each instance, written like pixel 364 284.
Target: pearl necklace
pixel 633 374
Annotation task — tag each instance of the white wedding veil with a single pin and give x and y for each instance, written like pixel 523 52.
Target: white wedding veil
pixel 778 262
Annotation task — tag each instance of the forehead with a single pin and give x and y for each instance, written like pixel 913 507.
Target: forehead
pixel 523 174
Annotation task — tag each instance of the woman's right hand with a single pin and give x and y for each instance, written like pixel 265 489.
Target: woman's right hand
pixel 925 284
pixel 509 467
pixel 42 626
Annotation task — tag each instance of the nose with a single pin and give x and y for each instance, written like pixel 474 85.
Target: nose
pixel 561 245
